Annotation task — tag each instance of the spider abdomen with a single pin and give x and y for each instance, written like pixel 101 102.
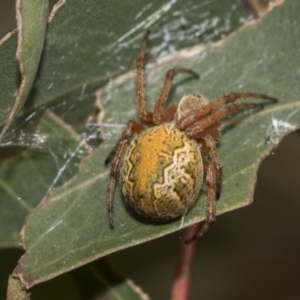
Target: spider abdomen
pixel 162 173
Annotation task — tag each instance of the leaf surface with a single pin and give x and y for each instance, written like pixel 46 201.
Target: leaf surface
pixel 79 55
pixel 97 278
pixel 72 228
pixel 25 180
pixel 90 42
pixel 32 22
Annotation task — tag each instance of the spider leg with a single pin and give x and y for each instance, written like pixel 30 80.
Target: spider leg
pixel 131 128
pixel 145 115
pixel 197 129
pixel 211 146
pixel 168 113
pixel 113 152
pixel 191 118
pixel 158 108
pixel 211 181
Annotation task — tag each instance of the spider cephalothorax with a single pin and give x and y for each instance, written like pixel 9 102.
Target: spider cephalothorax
pixel 161 169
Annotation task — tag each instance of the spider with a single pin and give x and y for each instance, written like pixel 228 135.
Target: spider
pixel 162 167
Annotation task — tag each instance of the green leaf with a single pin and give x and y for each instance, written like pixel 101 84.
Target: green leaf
pixel 97 278
pixel 25 180
pixel 72 229
pixel 86 46
pixel 73 63
pixel 32 21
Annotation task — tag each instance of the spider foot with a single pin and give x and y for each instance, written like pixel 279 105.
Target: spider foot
pixel 201 231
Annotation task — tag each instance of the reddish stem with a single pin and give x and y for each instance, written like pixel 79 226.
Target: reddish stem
pixel 182 282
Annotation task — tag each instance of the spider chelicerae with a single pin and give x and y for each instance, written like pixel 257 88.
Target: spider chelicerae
pixel 161 168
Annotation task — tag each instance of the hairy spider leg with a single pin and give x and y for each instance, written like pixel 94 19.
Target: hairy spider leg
pixel 145 115
pixel 198 128
pixel 158 108
pixel 212 168
pixel 187 120
pixel 211 146
pixel 131 128
pixel 169 112
pixel 211 200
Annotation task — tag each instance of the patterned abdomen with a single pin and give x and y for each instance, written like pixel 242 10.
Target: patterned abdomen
pixel 162 173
